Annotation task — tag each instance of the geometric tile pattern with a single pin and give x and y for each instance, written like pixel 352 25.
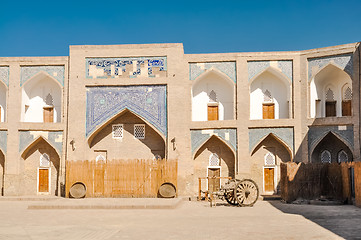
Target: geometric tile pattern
pixel 147 101
pixel 57 72
pixel 126 67
pixel 344 61
pixel 284 66
pixel 256 134
pixel 3 141
pixel 228 68
pixel 199 137
pixel 54 138
pixel 4 75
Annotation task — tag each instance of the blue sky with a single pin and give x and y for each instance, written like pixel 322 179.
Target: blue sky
pixel 47 28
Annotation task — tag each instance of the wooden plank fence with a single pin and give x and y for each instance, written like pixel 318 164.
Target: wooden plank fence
pixel 121 178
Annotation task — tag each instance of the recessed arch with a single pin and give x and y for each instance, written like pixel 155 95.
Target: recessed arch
pixel 279 140
pixel 34 142
pixel 213 70
pixel 3 101
pixel 274 71
pixel 110 120
pixel 211 137
pixel 329 66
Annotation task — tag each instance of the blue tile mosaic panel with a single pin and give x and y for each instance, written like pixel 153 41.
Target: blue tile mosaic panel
pixel 4 75
pixel 199 137
pixel 256 135
pixel 54 138
pixel 148 102
pixel 315 134
pixel 56 72
pixel 126 67
pixel 228 68
pixel 284 66
pixel 344 61
pixel 3 141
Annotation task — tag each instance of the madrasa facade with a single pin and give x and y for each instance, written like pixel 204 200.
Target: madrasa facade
pixel 236 115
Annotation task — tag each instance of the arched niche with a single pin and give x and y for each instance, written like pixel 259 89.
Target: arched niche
pixel 3 97
pixel 41 99
pixel 128 146
pixel 213 89
pixel 214 146
pixel 32 168
pixel 2 172
pixel 270 89
pixel 335 79
pixel 334 145
pixel 265 172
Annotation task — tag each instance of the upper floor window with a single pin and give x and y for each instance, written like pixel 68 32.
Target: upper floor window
pixel 117 131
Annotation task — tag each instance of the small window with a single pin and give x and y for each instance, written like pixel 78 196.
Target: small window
pixel 213 96
pixel 214 160
pixel 44 160
pixel 267 96
pixel 342 156
pixel 49 100
pixel 117 131
pixel 157 157
pixel 139 131
pixel 326 157
pixel 100 157
pixel 269 159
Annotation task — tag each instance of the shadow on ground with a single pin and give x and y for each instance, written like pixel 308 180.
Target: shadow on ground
pixel 343 220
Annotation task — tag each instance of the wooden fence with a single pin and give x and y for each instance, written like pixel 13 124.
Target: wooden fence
pixel 311 181
pixel 121 178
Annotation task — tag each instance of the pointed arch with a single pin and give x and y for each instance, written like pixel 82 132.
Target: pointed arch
pixel 273 71
pixel 40 75
pixel 110 120
pixel 215 71
pixel 218 138
pixel 278 139
pixel 36 141
pixel 328 67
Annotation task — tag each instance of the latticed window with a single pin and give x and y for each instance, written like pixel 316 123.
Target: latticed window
pixel 49 100
pixel 329 95
pixel 139 131
pixel 269 159
pixel 267 96
pixel 347 94
pixel 342 156
pixel 213 96
pixel 100 157
pixel 213 160
pixel 44 160
pixel 326 157
pixel 117 131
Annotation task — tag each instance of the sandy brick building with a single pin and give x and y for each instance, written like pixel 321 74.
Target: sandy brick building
pixel 227 114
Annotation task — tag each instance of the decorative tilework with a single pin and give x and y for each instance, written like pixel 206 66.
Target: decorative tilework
pixel 149 102
pixel 4 75
pixel 284 66
pixel 257 134
pixel 345 62
pixel 126 67
pixel 27 137
pixel 199 137
pixel 317 132
pixel 3 141
pixel 228 68
pixel 57 72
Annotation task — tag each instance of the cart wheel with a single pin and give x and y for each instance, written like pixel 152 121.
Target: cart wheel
pixel 246 193
pixel 229 195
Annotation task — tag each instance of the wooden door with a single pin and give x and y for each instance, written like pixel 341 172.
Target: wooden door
pixel 331 109
pixel 48 114
pixel 43 180
pixel 268 111
pixel 346 108
pixel 269 179
pixel 212 113
pixel 99 171
pixel 213 183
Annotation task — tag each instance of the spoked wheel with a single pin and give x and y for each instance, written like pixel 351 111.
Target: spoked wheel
pixel 229 195
pixel 246 193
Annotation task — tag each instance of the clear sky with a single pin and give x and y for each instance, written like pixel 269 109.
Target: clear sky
pixel 47 28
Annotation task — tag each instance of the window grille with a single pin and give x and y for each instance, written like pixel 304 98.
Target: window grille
pixel 139 131
pixel 100 157
pixel 213 160
pixel 269 159
pixel 348 94
pixel 49 100
pixel 44 160
pixel 267 96
pixel 326 157
pixel 329 95
pixel 117 131
pixel 342 156
pixel 213 96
